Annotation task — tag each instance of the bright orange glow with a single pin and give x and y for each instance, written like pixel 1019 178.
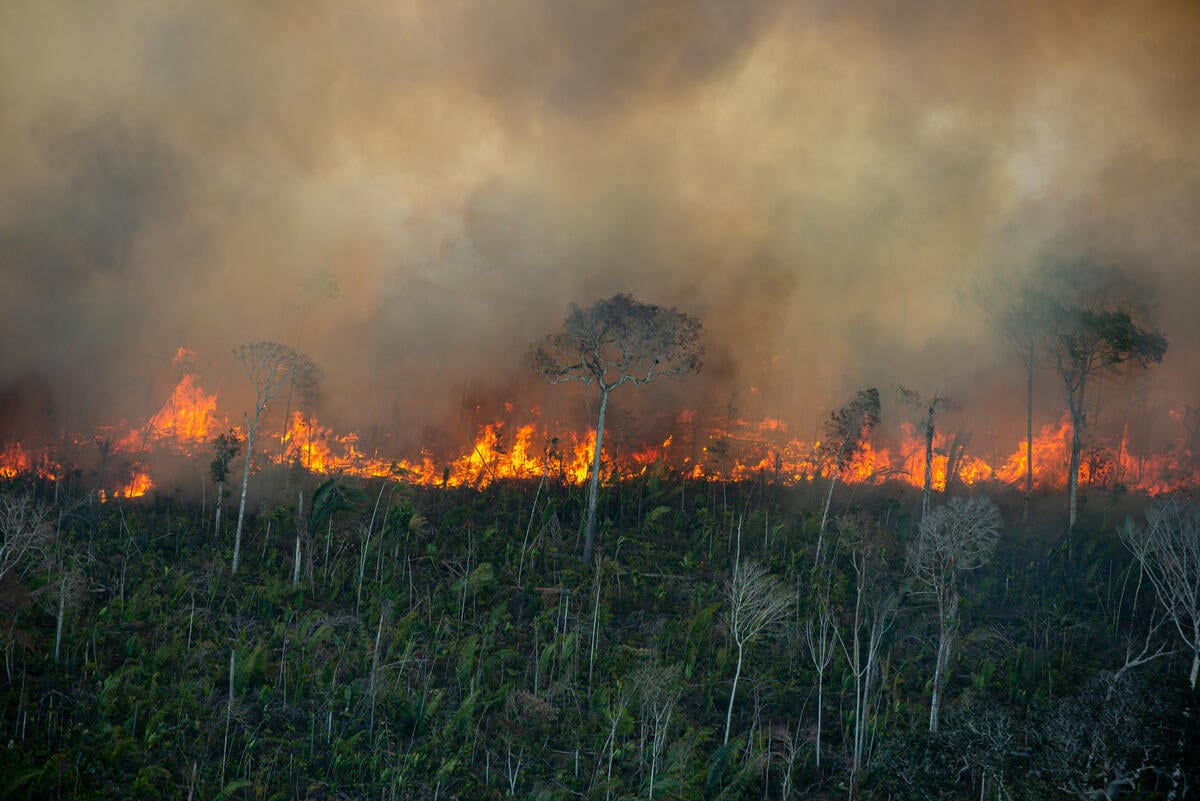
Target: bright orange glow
pixel 15 461
pixel 138 486
pixel 721 449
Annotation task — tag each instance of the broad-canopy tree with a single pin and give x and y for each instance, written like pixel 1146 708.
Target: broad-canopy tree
pixel 1091 331
pixel 270 367
pixel 617 341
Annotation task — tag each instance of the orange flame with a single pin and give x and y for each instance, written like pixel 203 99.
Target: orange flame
pixel 728 449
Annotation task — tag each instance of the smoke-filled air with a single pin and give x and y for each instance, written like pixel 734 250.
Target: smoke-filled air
pixel 414 195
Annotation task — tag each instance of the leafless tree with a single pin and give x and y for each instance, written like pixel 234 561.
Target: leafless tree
pixel 866 627
pixel 613 342
pixel 1018 313
pixel 25 534
pixel 758 602
pixel 1091 332
pixel 929 408
pixel 1168 548
pixel 954 538
pixel 270 367
pixel 658 689
pixel 848 428
pixel 819 631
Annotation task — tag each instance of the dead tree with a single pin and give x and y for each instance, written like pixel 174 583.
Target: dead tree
pixel 1168 548
pixel 954 538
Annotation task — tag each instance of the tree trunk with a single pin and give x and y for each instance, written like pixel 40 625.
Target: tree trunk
pixel 217 524
pixel 737 674
pixel 929 431
pixel 62 613
pixel 1029 365
pixel 237 537
pixel 837 471
pixel 947 614
pixel 589 539
pixel 299 532
pixel 1195 667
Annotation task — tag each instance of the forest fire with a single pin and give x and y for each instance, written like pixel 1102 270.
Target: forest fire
pixel 720 450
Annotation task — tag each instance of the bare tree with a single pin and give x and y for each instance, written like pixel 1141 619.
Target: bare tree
pixel 270 367
pixel 929 408
pixel 819 631
pixel 1092 332
pixel 1168 548
pixel 866 627
pixel 758 602
pixel 954 538
pixel 658 689
pixel 848 428
pixel 25 534
pixel 613 342
pixel 1018 313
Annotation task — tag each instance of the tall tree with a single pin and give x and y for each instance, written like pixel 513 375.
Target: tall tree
pixel 1168 548
pixel 1092 332
pixel 613 342
pixel 270 367
pixel 848 428
pixel 928 409
pixel 1017 311
pixel 954 538
pixel 758 602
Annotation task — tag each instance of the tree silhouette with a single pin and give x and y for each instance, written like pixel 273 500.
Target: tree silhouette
pixel 613 342
pixel 270 367
pixel 1092 332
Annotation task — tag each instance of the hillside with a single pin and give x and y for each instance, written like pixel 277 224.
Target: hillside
pixel 446 643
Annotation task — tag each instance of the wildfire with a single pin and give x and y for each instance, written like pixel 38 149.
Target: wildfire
pixel 724 450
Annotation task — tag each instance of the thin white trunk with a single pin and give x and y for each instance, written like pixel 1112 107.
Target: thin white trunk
pixel 237 538
pixel 589 540
pixel 732 693
pixel 62 612
pixel 299 531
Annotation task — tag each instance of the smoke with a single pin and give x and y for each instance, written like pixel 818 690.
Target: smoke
pixel 413 194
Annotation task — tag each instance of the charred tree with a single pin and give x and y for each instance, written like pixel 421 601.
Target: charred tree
pixel 270 367
pixel 613 342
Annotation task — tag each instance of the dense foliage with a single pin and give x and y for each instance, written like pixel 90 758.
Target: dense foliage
pixel 446 643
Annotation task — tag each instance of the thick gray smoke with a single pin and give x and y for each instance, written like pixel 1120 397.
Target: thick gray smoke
pixel 819 182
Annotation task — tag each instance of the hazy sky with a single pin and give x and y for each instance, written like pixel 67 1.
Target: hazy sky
pixel 819 182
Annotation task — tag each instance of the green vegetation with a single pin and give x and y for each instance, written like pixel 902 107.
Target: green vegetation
pixel 448 643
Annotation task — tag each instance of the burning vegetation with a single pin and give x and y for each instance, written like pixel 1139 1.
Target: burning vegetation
pixel 728 449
